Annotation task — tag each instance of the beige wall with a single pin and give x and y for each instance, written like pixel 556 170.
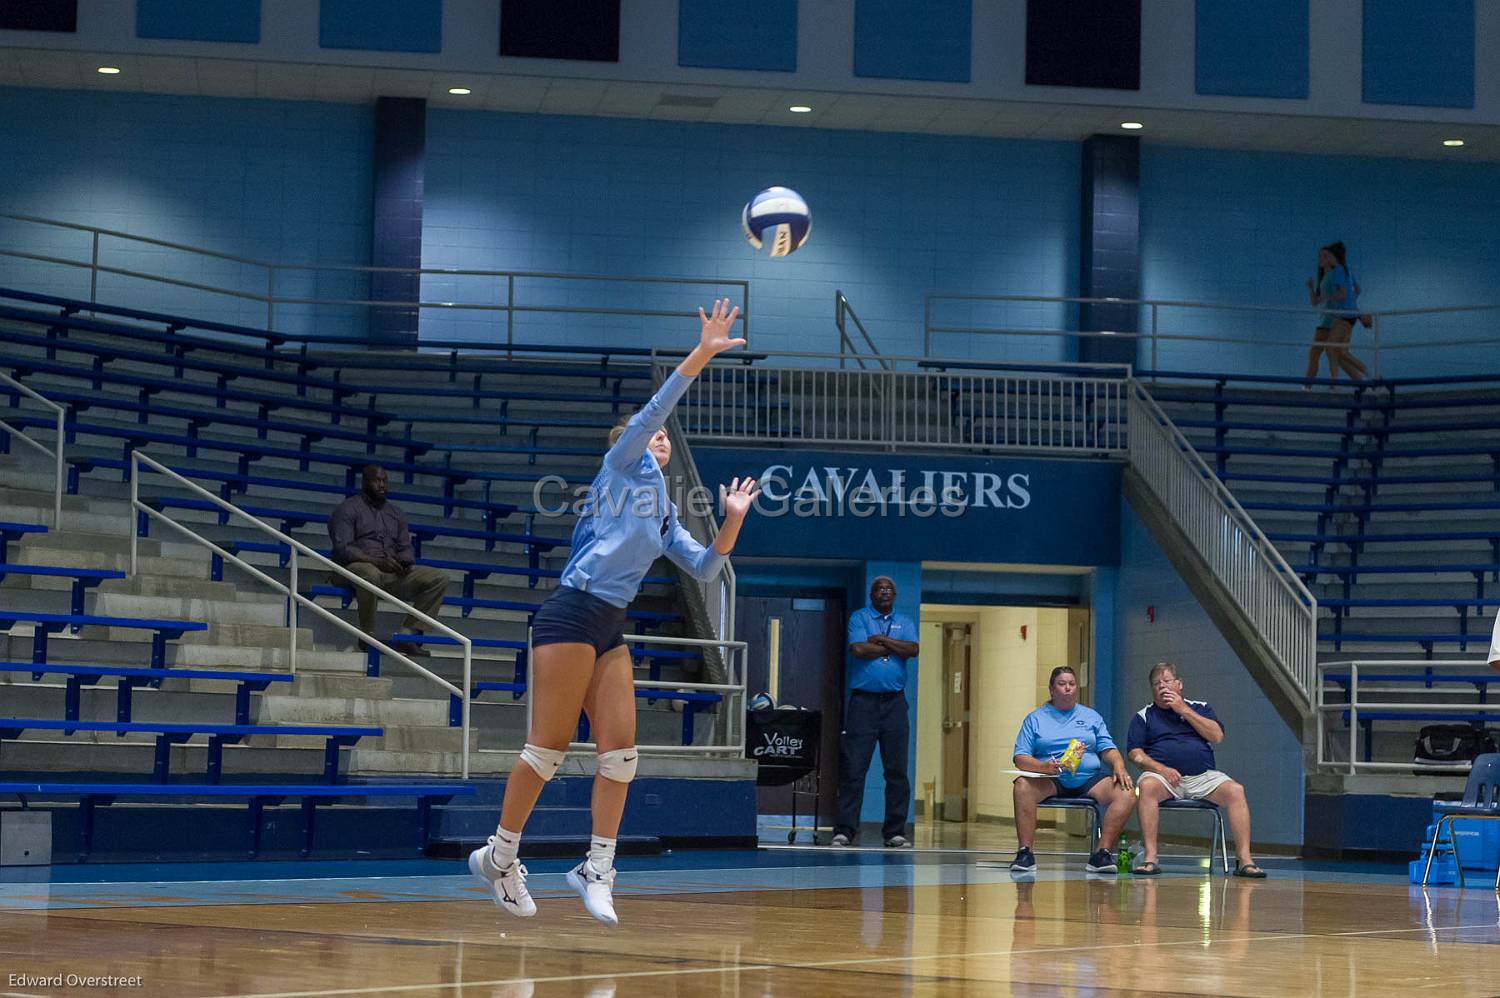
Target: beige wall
pixel 930 702
pixel 1008 678
pixel 1004 681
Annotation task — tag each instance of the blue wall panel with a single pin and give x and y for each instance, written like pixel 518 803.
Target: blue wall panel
pixel 1419 53
pixel 382 25
pixel 196 21
pixel 1258 749
pixel 1251 50
pixel 738 34
pixel 197 171
pixel 900 40
pixel 894 216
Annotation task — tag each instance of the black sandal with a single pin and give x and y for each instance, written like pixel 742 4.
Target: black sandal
pixel 1146 870
pixel 1252 871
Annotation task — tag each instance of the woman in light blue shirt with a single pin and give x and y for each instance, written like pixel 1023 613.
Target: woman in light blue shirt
pixel 1040 745
pixel 580 660
pixel 1335 291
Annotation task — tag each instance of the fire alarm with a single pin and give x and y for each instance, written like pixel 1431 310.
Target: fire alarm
pixel 1023 632
pixel 1150 614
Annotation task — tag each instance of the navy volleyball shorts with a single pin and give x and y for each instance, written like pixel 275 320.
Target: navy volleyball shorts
pixel 572 616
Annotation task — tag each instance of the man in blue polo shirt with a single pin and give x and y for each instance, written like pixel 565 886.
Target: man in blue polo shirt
pixel 881 641
pixel 1172 740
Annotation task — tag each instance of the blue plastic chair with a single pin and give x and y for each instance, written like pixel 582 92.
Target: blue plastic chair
pixel 1481 801
pixel 1218 816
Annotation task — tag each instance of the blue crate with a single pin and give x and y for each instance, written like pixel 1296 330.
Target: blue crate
pixel 1443 871
pixel 1478 841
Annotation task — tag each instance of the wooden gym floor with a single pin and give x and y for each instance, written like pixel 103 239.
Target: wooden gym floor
pixel 773 922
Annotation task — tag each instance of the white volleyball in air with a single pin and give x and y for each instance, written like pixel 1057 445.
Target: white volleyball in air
pixel 779 216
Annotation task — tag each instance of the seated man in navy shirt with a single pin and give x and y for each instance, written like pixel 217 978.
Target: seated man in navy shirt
pixel 1172 740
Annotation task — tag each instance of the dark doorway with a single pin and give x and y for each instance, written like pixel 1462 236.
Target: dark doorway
pixel 809 629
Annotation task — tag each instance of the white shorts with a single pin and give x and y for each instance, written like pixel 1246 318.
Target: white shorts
pixel 1191 787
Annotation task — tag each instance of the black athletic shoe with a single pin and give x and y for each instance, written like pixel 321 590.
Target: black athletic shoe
pixel 1025 861
pixel 1101 862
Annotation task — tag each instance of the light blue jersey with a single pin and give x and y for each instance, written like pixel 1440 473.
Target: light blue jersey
pixel 886 674
pixel 628 521
pixel 1336 278
pixel 1046 732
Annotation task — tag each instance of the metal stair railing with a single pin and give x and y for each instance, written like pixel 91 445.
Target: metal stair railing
pixel 1250 568
pixel 56 452
pixel 296 600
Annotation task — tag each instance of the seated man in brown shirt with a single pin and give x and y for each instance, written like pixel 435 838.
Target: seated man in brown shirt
pixel 370 539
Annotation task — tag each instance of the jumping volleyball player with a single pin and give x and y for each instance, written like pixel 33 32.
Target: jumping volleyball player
pixel 580 660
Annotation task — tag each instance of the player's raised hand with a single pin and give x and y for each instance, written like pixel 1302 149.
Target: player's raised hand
pixel 738 497
pixel 715 338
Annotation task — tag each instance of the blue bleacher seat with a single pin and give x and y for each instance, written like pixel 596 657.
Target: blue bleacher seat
pixel 14 532
pixel 83 578
pixel 50 623
pixel 148 386
pixel 130 677
pixel 176 733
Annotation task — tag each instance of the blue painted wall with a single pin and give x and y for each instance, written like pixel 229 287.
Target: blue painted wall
pixel 894 216
pixel 1244 227
pixel 1258 748
pixel 195 171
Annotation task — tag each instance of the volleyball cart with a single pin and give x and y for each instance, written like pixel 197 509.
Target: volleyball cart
pixel 785 743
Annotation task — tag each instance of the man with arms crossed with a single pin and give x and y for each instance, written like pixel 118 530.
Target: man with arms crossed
pixel 1172 740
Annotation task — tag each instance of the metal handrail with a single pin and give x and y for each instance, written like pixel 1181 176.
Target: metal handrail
pixel 56 454
pixel 1294 647
pixel 734 716
pixel 719 597
pixel 841 308
pixel 1354 703
pixel 1379 342
pixel 290 589
pixel 271 269
pixel 1066 409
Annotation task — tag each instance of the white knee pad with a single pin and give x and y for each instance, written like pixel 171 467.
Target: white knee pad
pixel 545 761
pixel 619 764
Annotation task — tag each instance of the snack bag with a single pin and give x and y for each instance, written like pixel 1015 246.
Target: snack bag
pixel 1073 756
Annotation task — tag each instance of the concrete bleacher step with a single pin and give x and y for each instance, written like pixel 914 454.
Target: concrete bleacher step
pixel 102 752
pixel 388 711
pixel 171 587
pixel 312 683
pixel 267 611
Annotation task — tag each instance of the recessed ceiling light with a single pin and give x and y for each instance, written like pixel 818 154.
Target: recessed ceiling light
pixel 1453 142
pixel 460 91
pixel 1132 125
pixel 109 70
pixel 799 109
